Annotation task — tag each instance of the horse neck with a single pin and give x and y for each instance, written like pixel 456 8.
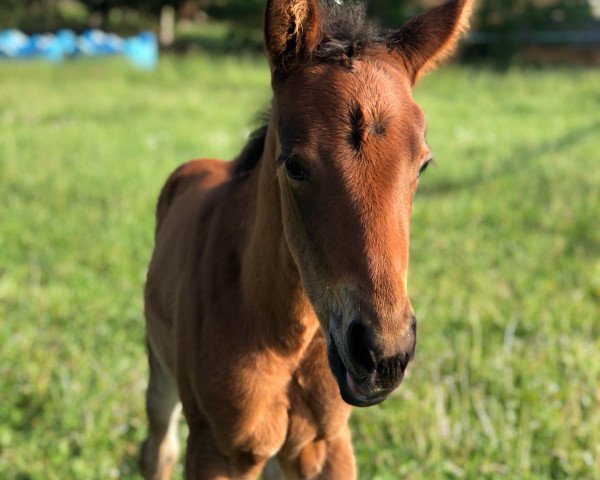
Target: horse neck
pixel 271 281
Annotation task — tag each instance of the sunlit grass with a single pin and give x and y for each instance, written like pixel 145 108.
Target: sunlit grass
pixel 505 267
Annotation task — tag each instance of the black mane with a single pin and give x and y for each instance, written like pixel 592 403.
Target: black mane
pixel 346 32
pixel 251 153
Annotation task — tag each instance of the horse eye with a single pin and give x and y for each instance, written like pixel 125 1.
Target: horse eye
pixel 424 167
pixel 294 170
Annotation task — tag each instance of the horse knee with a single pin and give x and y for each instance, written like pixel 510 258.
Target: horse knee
pixel 163 411
pixel 246 462
pixel 339 458
pixel 311 459
pixel 205 459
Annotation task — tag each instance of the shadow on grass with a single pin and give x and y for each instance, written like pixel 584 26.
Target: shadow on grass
pixel 580 232
pixel 507 166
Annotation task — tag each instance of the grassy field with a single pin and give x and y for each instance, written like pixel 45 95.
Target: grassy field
pixel 505 267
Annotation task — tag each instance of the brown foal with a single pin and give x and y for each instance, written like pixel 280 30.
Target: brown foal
pixel 276 296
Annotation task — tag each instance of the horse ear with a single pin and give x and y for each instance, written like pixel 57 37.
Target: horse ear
pixel 430 37
pixel 292 31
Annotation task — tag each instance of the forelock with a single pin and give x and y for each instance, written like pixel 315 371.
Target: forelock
pixel 346 30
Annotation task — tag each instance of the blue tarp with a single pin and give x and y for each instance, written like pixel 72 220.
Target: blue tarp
pixel 141 50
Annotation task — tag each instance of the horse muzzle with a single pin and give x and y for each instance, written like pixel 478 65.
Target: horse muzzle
pixel 366 377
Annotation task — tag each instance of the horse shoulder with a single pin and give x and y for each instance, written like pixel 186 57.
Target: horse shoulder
pixel 198 174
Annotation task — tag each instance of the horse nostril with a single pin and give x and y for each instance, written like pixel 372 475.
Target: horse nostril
pixel 359 341
pixel 383 369
pixel 367 359
pixel 390 369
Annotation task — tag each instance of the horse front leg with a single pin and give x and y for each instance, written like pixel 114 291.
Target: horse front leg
pixel 329 459
pixel 204 461
pixel 339 457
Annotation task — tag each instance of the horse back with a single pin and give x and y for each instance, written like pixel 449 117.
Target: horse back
pixel 185 207
pixel 201 174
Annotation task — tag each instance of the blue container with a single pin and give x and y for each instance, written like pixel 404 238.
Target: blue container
pixel 141 50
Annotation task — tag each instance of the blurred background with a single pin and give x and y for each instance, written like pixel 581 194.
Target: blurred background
pixel 540 31
pixel 505 240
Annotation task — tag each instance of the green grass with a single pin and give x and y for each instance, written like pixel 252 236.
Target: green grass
pixel 505 267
